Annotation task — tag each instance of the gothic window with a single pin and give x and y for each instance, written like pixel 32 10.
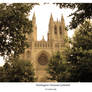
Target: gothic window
pixel 60 30
pixel 43 45
pixel 35 44
pixel 43 59
pixel 40 45
pixel 48 44
pixel 55 29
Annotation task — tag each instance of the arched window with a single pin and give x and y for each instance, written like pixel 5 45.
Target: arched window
pixel 35 45
pixel 60 30
pixel 40 45
pixel 48 44
pixel 55 29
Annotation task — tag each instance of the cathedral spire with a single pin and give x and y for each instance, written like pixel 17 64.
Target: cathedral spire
pixel 62 21
pixel 34 27
pixel 34 18
pixel 51 17
pixel 63 26
pixel 62 18
pixel 51 28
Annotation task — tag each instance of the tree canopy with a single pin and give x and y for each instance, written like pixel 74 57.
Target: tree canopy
pixel 76 64
pixel 17 71
pixel 83 11
pixel 14 25
pixel 81 53
pixel 58 69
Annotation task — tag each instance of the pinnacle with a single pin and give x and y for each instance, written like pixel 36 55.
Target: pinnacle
pixel 62 17
pixel 51 17
pixel 43 38
pixel 34 15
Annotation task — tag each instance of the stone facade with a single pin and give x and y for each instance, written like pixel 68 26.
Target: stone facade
pixel 39 52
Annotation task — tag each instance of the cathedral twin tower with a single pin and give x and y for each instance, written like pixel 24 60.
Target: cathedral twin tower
pixel 56 29
pixel 40 52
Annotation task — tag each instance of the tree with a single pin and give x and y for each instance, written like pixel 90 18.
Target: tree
pixel 67 5
pixel 18 71
pixel 58 69
pixel 75 64
pixel 83 11
pixel 81 54
pixel 14 25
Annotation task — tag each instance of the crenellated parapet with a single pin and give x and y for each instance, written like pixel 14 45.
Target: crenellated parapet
pixel 43 44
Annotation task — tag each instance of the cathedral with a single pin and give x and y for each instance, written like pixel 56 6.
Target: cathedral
pixel 39 52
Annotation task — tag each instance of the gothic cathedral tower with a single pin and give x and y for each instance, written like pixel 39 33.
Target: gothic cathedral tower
pixel 40 52
pixel 56 29
pixel 34 28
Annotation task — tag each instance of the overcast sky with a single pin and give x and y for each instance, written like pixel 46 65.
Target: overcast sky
pixel 43 13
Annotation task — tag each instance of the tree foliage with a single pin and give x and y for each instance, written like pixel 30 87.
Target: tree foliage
pixel 74 64
pixel 14 25
pixel 83 11
pixel 18 71
pixel 67 5
pixel 81 54
pixel 57 69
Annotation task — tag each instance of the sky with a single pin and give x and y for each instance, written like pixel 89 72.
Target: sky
pixel 42 13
